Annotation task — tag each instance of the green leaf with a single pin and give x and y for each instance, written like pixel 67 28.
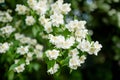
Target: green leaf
pixel 71 71
pixel 10 75
pixel 21 61
pixel 36 66
pixel 88 38
pixel 76 75
pixel 65 61
pixel 12 67
pixel 35 30
pixel 50 64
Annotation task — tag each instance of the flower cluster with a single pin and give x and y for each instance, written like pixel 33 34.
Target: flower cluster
pixel 21 9
pixel 52 54
pixel 29 20
pixel 75 60
pixel 20 68
pixel 5 16
pixel 7 31
pixel 53 69
pixel 65 44
pixel 4 47
pixel 29 48
pixel 61 42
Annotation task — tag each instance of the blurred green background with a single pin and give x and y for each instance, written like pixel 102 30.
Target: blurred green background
pixel 103 21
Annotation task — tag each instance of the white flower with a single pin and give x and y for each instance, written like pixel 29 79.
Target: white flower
pixel 27 62
pixel 46 24
pixel 22 50
pixel 81 25
pixel 32 42
pixel 21 9
pixel 7 30
pixel 81 34
pixel 82 59
pixel 53 69
pixel 60 42
pixel 52 54
pixel 9 18
pixel 18 36
pixel 39 47
pixel 5 17
pixel 65 8
pixel 31 3
pixel 28 40
pixel 68 43
pixel 16 61
pixel 4 47
pixel 73 52
pixel 43 20
pixel 38 53
pixel 75 25
pixel 57 40
pixel 112 12
pixel 84 45
pixel 56 7
pixel 48 27
pixel 29 58
pixel 95 48
pixel 25 40
pixel 60 8
pixel 20 68
pixel 38 50
pixel 40 7
pixel 74 62
pixel 57 19
pixel 29 20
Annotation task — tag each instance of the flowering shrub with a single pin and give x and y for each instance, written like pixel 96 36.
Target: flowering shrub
pixel 50 37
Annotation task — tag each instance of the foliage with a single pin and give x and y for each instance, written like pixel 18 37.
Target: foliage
pixel 102 18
